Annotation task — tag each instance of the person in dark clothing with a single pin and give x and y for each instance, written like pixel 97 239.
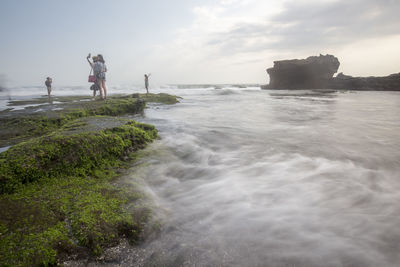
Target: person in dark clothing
pixel 48 85
pixel 146 82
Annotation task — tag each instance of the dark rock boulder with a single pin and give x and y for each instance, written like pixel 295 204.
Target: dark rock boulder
pixel 317 72
pixel 310 73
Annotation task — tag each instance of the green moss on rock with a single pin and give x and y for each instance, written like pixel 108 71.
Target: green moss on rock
pixel 158 98
pixel 57 195
pixel 44 223
pixel 20 127
pixel 57 155
pixel 16 129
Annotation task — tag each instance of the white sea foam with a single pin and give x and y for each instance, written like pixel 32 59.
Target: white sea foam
pixel 252 179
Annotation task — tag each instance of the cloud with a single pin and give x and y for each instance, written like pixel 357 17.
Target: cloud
pixel 335 23
pixel 307 24
pixel 235 39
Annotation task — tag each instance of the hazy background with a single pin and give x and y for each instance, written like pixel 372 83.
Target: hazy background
pixel 192 41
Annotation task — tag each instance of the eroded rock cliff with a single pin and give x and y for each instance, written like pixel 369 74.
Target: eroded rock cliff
pixel 316 72
pixel 312 72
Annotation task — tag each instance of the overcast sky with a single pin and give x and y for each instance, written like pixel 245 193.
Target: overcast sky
pixel 192 41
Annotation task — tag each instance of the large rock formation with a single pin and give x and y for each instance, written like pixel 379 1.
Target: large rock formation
pixel 317 73
pixel 311 73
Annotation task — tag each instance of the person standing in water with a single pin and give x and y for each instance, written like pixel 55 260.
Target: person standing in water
pixel 48 85
pixel 146 82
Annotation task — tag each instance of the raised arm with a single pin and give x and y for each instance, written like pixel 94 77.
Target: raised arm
pixel 90 63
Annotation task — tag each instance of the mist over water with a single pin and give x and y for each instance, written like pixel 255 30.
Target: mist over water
pixel 275 178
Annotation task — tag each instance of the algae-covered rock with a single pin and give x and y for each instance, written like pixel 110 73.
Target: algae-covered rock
pixel 45 116
pixel 20 126
pixel 44 224
pixel 159 98
pixel 61 154
pixel 57 194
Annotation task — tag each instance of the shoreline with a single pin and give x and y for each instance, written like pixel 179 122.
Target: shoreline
pixel 59 192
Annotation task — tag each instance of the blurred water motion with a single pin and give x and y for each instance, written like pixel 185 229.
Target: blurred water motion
pixel 276 178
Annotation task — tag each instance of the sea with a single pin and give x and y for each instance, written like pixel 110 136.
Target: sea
pixel 247 177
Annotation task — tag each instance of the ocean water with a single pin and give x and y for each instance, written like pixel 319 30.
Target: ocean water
pixel 250 177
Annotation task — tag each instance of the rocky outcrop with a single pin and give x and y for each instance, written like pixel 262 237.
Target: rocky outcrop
pixel 311 73
pixel 386 83
pixel 317 72
pixel 60 197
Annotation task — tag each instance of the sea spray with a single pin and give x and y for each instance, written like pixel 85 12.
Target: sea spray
pixel 260 178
